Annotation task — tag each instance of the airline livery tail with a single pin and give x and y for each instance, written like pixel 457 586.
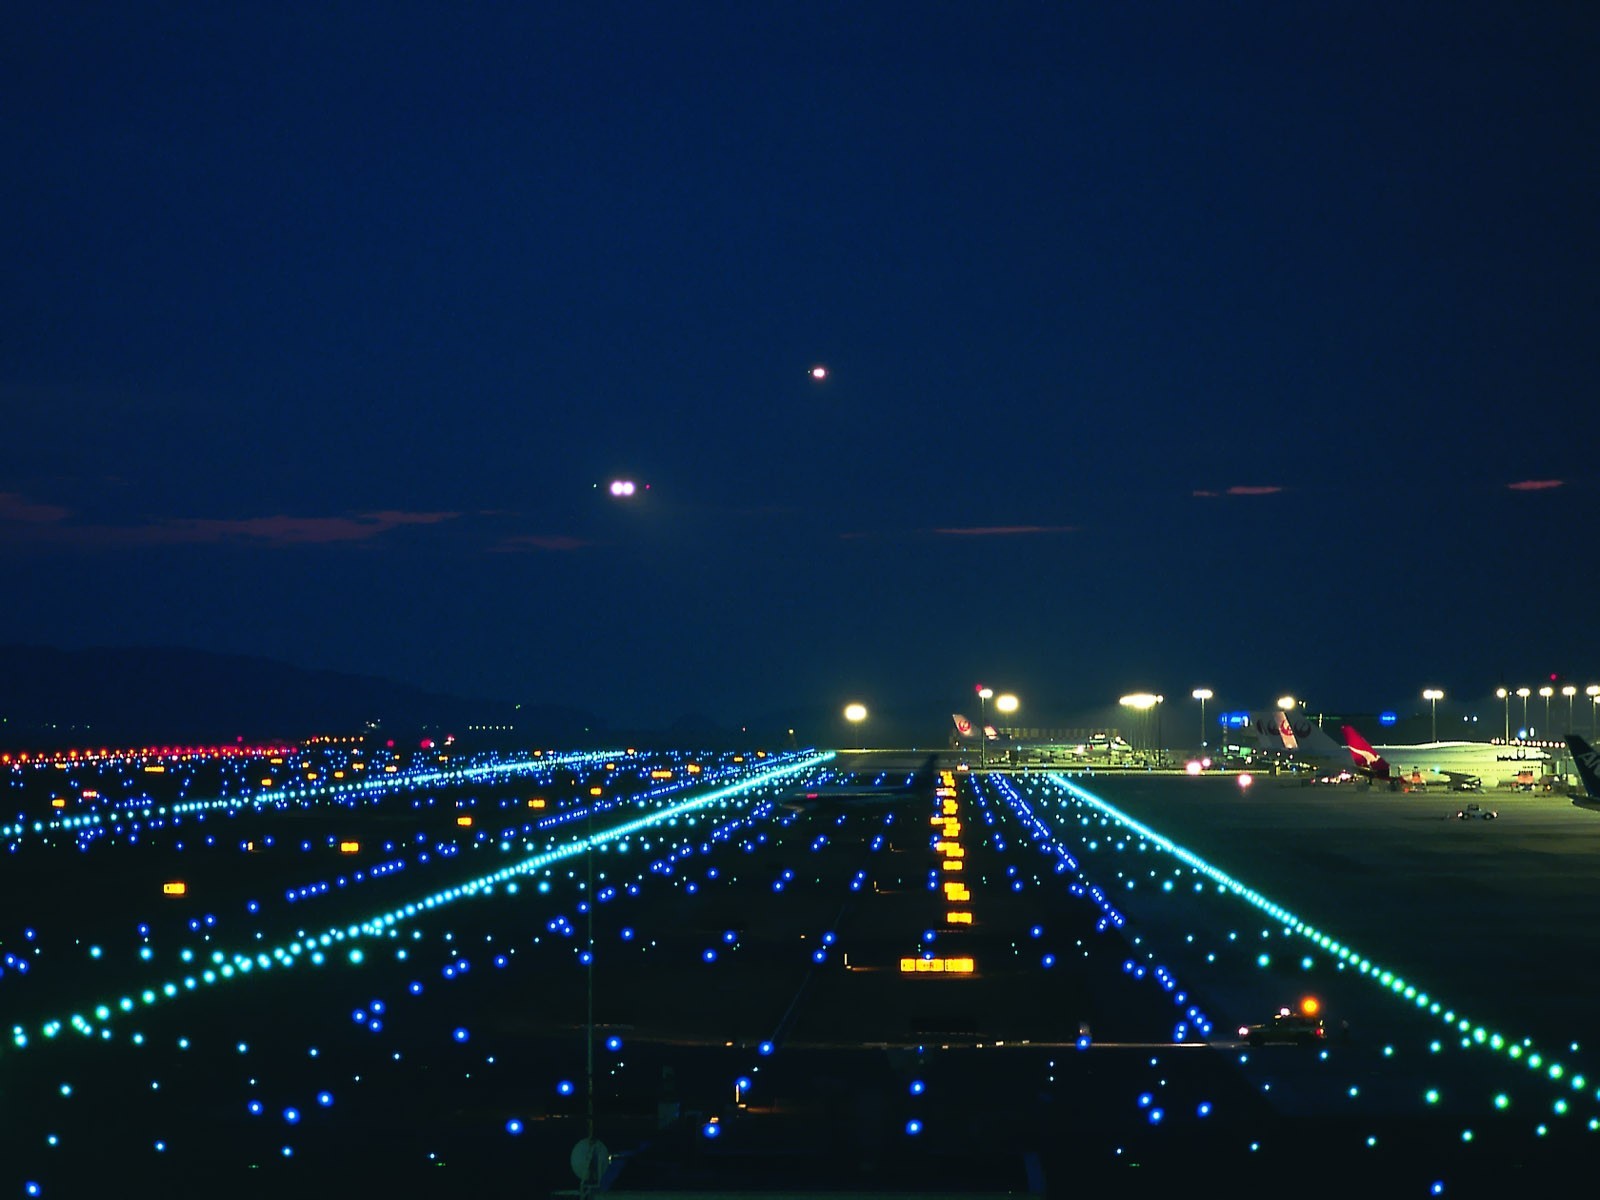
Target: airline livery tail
pixel 1305 739
pixel 1368 761
pixel 1587 760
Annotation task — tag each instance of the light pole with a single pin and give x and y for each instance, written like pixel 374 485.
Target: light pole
pixel 1569 692
pixel 1502 694
pixel 1524 693
pixel 1433 696
pixel 1202 695
pixel 855 714
pixel 983 724
pixel 1593 692
pixel 1547 691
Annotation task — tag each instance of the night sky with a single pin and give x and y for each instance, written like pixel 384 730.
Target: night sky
pixel 1250 345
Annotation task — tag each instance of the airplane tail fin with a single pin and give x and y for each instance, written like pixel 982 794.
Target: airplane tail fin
pixel 1368 761
pixel 1587 760
pixel 1305 739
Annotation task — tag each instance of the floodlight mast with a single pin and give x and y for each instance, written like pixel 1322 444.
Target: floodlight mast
pixel 1202 694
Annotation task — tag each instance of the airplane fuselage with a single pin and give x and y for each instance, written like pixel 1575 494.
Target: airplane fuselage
pixel 1494 763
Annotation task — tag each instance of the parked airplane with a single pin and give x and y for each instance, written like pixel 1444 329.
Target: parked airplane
pixel 1464 766
pixel 1587 761
pixel 1105 743
pixel 1302 740
pixel 834 796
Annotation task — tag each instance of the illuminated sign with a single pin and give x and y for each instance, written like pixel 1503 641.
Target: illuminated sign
pixel 174 888
pixel 936 966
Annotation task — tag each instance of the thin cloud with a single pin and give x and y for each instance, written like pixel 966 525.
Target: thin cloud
pixel 1006 530
pixel 24 511
pixel 288 531
pixel 1243 489
pixel 553 543
pixel 1535 485
pixel 43 525
pixel 411 518
pixel 957 531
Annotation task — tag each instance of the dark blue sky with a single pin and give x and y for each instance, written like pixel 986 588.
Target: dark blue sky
pixel 1250 345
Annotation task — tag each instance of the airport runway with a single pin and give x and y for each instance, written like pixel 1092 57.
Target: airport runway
pixel 779 1001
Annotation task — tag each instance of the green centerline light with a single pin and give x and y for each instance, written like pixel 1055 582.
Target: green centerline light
pixel 1390 981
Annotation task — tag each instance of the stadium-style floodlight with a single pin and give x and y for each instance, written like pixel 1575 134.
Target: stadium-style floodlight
pixel 1524 693
pixel 1503 694
pixel 1569 692
pixel 1141 701
pixel 1593 692
pixel 1202 695
pixel 1433 696
pixel 1007 703
pixel 1547 691
pixel 983 724
pixel 856 713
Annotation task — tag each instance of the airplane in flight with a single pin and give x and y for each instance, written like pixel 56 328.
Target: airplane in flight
pixel 833 797
pixel 1587 760
pixel 1463 766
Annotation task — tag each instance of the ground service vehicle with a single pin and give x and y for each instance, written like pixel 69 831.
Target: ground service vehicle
pixel 1285 1028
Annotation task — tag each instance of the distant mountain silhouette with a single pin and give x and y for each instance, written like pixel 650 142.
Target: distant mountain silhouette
pixel 124 696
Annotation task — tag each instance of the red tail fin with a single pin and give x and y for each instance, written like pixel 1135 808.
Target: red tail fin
pixel 1367 760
